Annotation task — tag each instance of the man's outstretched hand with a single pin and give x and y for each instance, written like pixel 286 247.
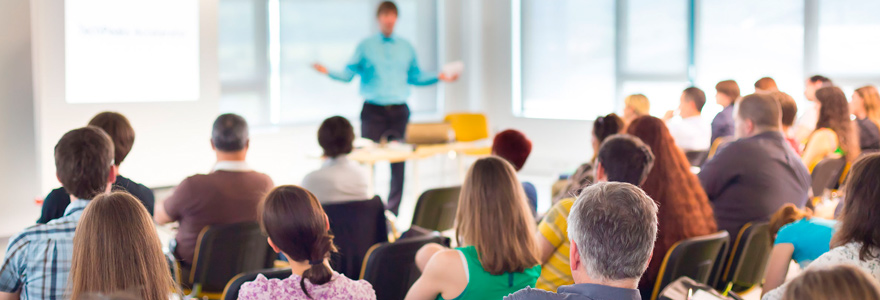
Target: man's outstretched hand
pixel 320 68
pixel 447 78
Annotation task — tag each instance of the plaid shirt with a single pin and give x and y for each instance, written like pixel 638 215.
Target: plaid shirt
pixel 38 259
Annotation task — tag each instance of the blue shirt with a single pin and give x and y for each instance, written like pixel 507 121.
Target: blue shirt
pixel 387 66
pixel 810 237
pixel 722 125
pixel 38 259
pixel 583 291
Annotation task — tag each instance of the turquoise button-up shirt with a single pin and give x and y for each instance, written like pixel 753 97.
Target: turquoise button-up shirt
pixel 387 66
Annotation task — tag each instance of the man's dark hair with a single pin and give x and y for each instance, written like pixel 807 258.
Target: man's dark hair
pixel 763 110
pixel 825 80
pixel 626 158
pixel 386 7
pixel 230 133
pixel 83 158
pixel 336 136
pixel 788 107
pixel 119 130
pixel 696 96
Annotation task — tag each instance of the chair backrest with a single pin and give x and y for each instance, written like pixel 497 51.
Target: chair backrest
pixel 234 285
pixel 826 174
pixel 468 127
pixel 693 257
pixel 748 257
pixel 435 209
pixel 356 225
pixel 696 158
pixel 224 251
pixel 391 267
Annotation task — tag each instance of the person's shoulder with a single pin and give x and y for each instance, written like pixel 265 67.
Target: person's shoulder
pixel 356 289
pixel 845 254
pixel 531 293
pixel 55 229
pixel 260 288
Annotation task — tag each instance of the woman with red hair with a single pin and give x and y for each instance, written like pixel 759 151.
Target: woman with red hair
pixel 515 147
pixel 684 207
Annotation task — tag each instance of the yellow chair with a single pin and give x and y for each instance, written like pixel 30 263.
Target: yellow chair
pixel 469 127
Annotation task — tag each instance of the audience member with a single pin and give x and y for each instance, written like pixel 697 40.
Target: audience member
pixel 494 228
pixel 690 132
pixel 116 249
pixel 727 92
pixel 37 262
pixel 230 194
pixel 751 178
pixel 339 179
pixel 622 158
pixel 766 85
pixel 603 127
pixel 515 147
pixel 865 106
pixel 635 105
pixel 797 236
pixel 297 227
pixel 835 282
pixel 806 123
pixel 122 134
pixel 835 135
pixel 789 112
pixel 613 229
pixel 857 238
pixel 684 209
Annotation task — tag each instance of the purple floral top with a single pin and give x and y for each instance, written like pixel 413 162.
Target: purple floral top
pixel 339 287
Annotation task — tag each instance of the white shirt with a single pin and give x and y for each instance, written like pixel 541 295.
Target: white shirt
pixel 691 134
pixel 806 123
pixel 232 166
pixel 846 254
pixel 338 180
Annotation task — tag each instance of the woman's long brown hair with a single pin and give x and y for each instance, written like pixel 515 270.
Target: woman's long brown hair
pixel 295 221
pixel 861 208
pixel 116 249
pixel 834 114
pixel 684 207
pixel 494 217
pixel 871 101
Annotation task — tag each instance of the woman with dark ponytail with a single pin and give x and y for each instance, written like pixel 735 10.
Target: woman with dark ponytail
pixel 297 227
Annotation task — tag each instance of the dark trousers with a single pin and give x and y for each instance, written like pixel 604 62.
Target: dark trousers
pixel 388 123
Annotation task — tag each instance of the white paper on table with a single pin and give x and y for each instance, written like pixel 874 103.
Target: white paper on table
pixel 453 69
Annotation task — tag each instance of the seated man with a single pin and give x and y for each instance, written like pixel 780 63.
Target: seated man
pixel 691 132
pixel 607 258
pixel 230 194
pixel 515 147
pixel 339 179
pixel 751 178
pixel 37 262
pixel 122 134
pixel 621 158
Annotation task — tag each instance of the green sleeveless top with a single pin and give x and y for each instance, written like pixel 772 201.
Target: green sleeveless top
pixel 482 285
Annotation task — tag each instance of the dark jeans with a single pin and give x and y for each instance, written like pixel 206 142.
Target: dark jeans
pixel 388 122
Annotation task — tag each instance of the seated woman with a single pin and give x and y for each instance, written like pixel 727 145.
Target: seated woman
pixel 835 134
pixel 865 106
pixel 122 134
pixel 857 239
pixel 834 282
pixel 515 147
pixel 798 236
pixel 635 105
pixel 684 207
pixel 494 228
pixel 603 127
pixel 339 179
pixel 116 250
pixel 299 229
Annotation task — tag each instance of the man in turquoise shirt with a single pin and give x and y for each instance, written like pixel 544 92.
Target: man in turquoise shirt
pixel 387 66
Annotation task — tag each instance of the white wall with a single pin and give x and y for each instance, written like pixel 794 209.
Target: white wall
pixel 18 155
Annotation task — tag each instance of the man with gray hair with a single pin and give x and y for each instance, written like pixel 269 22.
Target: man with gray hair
pixel 229 194
pixel 612 229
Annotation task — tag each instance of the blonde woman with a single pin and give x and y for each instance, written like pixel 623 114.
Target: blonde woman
pixel 494 227
pixel 635 105
pixel 865 105
pixel 116 249
pixel 836 282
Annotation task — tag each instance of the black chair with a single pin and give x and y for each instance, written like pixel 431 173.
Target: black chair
pixel 696 158
pixel 435 209
pixel 826 175
pixel 234 285
pixel 223 251
pixel 357 226
pixel 748 258
pixel 391 267
pixel 693 257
